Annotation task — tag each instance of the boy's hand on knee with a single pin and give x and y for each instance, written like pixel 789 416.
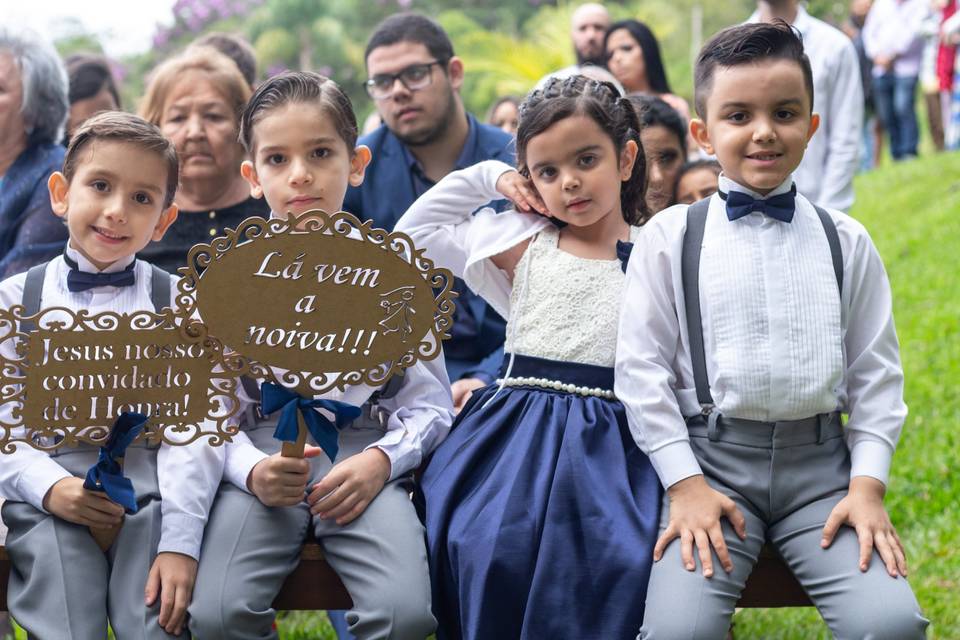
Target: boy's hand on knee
pixel 351 485
pixel 695 512
pixel 68 500
pixel 171 577
pixel 862 508
pixel 281 482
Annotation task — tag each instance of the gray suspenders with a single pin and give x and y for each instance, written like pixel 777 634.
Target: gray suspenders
pixel 690 271
pixel 33 289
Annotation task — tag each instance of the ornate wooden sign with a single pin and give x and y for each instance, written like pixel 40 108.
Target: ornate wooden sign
pixel 67 381
pixel 317 302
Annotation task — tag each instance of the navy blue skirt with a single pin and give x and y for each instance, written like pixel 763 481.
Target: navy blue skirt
pixel 541 513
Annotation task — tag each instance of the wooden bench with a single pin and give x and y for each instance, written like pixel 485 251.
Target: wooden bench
pixel 315 585
pixel 312 585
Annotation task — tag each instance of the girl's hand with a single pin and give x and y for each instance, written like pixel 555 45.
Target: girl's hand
pixel 862 509
pixel 351 485
pixel 521 192
pixel 695 512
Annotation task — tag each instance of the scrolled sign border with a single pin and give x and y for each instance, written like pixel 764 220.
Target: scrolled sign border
pixel 342 224
pixel 13 379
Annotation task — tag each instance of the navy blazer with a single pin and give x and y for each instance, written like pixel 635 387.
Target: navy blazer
pixel 389 188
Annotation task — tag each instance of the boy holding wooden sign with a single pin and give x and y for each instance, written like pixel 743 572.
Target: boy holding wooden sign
pixel 115 195
pixel 301 132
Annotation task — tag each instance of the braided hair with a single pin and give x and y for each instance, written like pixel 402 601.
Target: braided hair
pixel 601 102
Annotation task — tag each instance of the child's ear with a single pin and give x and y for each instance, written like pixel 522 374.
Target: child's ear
pixel 814 125
pixel 358 165
pixel 628 158
pixel 698 131
pixel 59 187
pixel 249 173
pixel 167 218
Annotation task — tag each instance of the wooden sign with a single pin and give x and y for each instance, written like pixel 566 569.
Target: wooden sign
pixel 67 381
pixel 317 302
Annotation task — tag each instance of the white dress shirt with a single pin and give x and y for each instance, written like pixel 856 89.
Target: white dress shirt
pixel 825 175
pixel 182 471
pixel 893 28
pixel 418 419
pixel 778 346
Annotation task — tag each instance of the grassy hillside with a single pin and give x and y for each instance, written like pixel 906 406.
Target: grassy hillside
pixel 912 210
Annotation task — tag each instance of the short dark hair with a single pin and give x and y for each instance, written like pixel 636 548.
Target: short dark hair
pixel 578 95
pixel 118 126
pixel 234 47
pixel 89 74
pixel 652 60
pixel 748 44
pixel 654 112
pixel 300 86
pixel 411 27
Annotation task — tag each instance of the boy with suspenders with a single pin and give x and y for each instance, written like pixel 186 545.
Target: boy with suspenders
pixel 751 321
pixel 116 195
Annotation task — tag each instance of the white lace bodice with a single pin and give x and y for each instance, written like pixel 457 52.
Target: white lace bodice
pixel 564 307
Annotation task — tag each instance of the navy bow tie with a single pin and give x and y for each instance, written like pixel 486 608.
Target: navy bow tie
pixel 82 280
pixel 780 207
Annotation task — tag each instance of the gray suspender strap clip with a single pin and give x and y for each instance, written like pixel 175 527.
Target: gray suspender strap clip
pixel 690 272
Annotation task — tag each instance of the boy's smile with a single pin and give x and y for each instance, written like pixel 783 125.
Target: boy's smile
pixel 758 122
pixel 113 205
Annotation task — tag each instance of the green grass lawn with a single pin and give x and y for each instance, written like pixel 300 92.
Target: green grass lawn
pixel 912 210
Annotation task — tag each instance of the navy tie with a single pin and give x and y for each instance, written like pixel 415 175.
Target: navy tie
pixel 779 207
pixel 82 280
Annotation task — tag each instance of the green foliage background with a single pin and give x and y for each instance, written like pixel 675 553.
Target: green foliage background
pixel 507 45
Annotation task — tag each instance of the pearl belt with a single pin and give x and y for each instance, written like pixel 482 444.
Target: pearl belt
pixel 557 385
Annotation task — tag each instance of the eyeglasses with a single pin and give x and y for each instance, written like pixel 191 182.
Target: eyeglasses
pixel 414 78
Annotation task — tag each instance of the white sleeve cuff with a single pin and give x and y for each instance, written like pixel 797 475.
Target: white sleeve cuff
pixel 399 459
pixel 869 457
pixel 180 533
pixel 242 457
pixel 38 478
pixel 675 462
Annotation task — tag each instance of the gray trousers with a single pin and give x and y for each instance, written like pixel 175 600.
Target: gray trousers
pixel 63 586
pixel 785 478
pixel 249 549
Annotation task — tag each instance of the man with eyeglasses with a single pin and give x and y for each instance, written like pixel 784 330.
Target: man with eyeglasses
pixel 414 79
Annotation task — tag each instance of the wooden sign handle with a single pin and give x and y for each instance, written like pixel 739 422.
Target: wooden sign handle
pixel 105 536
pixel 295 449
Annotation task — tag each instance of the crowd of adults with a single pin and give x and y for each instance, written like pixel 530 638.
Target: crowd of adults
pixel 864 83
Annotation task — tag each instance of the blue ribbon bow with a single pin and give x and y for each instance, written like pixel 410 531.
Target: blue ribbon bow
pixel 107 474
pixel 82 280
pixel 274 397
pixel 623 253
pixel 779 207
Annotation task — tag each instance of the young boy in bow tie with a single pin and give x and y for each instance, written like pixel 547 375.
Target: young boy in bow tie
pixel 751 321
pixel 115 194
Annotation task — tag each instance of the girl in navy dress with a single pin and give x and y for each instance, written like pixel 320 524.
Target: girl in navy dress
pixel 541 512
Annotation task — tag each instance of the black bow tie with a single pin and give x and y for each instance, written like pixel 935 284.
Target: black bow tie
pixel 82 280
pixel 779 207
